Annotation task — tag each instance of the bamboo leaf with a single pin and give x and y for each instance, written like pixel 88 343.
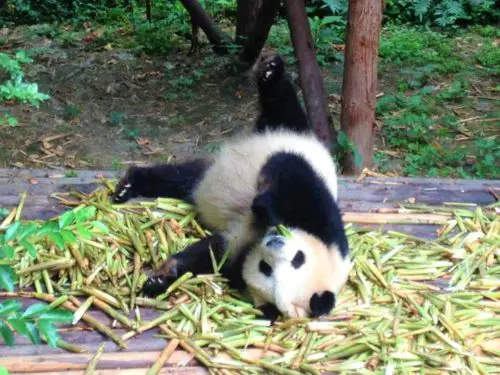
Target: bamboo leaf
pixel 7 334
pixel 49 331
pixel 57 315
pixel 33 333
pixel 8 252
pixel 19 326
pixel 66 219
pixel 7 277
pixel 35 310
pixel 11 232
pixel 9 306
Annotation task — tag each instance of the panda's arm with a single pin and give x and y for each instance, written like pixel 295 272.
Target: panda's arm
pixel 195 258
pixel 162 180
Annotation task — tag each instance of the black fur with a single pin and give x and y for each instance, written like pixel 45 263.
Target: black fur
pixel 297 197
pixel 265 268
pixel 321 305
pixel 270 312
pixel 163 180
pixel 279 103
pixel 299 259
pixel 194 258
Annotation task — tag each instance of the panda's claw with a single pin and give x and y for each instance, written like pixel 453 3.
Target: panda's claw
pixel 124 194
pixel 156 285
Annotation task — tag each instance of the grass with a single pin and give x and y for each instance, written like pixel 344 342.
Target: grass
pixel 391 316
pixel 430 122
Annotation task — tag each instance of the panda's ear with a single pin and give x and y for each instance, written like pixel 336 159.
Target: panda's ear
pixel 264 211
pixel 321 304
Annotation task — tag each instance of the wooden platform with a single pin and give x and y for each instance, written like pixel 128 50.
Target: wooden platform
pixel 367 196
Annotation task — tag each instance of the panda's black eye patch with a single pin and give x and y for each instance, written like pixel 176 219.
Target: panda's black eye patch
pixel 265 268
pixel 299 259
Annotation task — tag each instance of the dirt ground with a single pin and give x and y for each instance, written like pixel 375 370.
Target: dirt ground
pixel 110 108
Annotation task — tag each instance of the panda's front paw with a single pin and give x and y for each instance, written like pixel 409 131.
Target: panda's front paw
pixel 126 188
pixel 321 304
pixel 162 279
pixel 156 285
pixel 123 193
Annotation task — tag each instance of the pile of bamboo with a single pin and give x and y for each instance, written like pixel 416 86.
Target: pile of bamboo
pixel 409 304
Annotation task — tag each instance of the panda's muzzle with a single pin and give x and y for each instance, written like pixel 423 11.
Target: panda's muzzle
pixel 275 242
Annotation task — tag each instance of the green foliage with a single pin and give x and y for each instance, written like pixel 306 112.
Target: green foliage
pixel 29 238
pixel 419 47
pixel 345 147
pixel 39 11
pixel 489 56
pixel 22 92
pixel 13 87
pixel 116 118
pixel 36 321
pixel 417 126
pixel 442 13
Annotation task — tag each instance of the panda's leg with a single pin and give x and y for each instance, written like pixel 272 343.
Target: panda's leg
pixel 280 105
pixel 163 180
pixel 195 258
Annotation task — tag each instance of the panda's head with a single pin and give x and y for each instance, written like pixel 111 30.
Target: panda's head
pixel 279 250
pixel 306 272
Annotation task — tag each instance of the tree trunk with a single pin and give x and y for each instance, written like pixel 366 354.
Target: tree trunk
pixel 311 81
pixel 360 81
pixel 246 11
pixel 216 37
pixel 259 19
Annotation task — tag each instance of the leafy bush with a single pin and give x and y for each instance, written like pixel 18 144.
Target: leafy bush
pixel 35 322
pixel 13 87
pixel 39 11
pixel 489 57
pixel 39 319
pixel 419 47
pixel 442 13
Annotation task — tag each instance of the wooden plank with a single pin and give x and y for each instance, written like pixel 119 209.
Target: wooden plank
pixel 135 371
pixel 40 189
pixel 108 361
pixel 85 176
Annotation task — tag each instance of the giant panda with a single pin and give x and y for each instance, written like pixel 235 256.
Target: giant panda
pixel 275 176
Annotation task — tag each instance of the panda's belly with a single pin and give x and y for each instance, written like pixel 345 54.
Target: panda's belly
pixel 226 192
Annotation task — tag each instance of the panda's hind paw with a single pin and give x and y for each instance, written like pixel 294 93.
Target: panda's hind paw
pixel 273 69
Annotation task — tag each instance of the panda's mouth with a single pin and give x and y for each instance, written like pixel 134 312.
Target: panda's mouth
pixel 274 241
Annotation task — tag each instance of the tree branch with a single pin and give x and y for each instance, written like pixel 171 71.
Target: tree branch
pixel 216 37
pixel 259 22
pixel 309 73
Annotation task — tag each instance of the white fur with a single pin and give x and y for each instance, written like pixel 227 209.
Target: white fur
pixel 288 288
pixel 224 197
pixel 225 194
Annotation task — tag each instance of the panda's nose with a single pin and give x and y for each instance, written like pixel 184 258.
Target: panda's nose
pixel 275 243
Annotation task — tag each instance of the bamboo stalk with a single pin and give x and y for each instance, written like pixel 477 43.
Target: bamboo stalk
pixel 93 362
